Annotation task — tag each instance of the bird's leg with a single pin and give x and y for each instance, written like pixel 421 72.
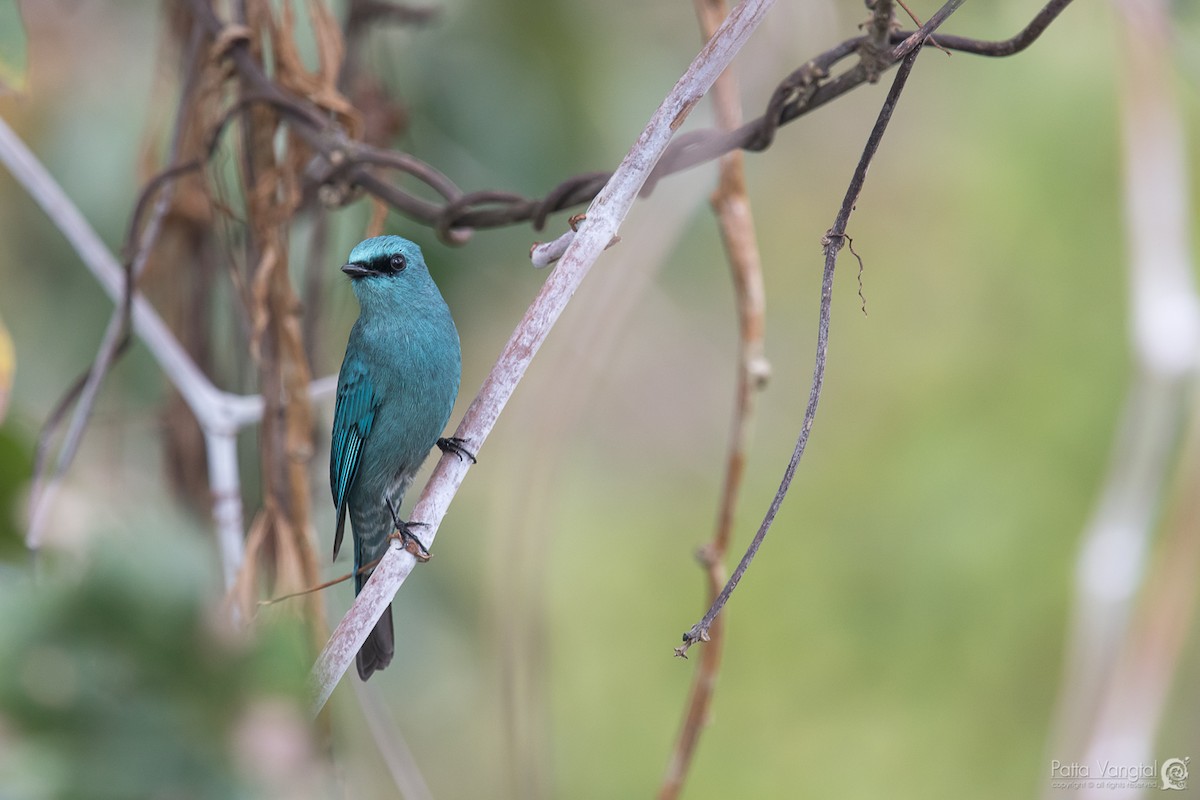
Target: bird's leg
pixel 407 540
pixel 453 444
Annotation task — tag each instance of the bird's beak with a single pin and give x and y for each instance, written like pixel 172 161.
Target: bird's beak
pixel 356 270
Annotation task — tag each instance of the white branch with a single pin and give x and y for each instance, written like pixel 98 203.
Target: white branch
pixel 604 217
pixel 205 400
pixel 225 485
pixel 220 414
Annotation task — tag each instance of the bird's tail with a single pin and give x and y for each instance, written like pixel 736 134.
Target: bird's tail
pixel 372 528
pixel 378 649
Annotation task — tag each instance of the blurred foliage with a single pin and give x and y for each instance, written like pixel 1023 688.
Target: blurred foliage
pixel 116 680
pixel 12 47
pixel 16 467
pixel 15 464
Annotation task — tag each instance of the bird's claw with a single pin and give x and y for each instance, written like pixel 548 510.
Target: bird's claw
pixel 412 544
pixel 408 541
pixel 453 444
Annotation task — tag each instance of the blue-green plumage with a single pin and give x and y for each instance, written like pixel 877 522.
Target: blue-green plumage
pixel 396 389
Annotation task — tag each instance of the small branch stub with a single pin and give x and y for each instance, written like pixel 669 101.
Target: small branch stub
pixel 698 633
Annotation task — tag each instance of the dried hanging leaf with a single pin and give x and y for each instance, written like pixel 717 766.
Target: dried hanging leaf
pixel 320 87
pixel 330 47
pixel 272 198
pixel 260 296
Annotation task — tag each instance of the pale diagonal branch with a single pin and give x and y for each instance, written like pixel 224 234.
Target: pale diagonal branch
pixel 600 227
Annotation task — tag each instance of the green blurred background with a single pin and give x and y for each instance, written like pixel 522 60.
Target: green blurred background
pixel 902 631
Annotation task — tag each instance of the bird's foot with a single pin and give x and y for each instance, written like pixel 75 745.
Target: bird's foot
pixel 458 446
pixel 407 540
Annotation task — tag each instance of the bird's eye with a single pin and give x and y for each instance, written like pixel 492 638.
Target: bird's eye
pixel 397 262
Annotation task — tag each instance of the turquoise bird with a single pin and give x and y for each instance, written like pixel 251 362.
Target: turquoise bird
pixel 396 389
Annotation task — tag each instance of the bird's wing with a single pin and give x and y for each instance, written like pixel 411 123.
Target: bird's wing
pixel 352 419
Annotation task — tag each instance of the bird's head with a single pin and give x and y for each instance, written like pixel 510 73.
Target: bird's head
pixel 383 259
pixel 385 267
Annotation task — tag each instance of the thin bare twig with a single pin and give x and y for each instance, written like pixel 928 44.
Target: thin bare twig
pixel 603 219
pixel 1007 47
pixel 345 164
pixel 833 241
pixel 365 568
pixel 731 204
pixel 811 87
pixel 932 42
